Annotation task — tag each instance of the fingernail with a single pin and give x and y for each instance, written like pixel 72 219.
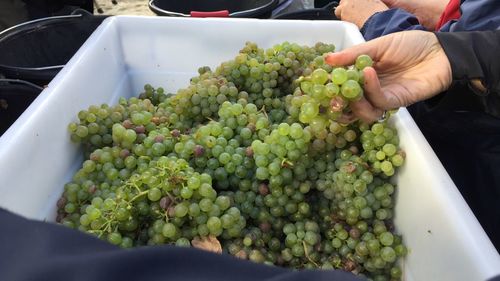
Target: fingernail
pixel 330 58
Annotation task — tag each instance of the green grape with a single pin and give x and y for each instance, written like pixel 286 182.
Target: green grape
pixel 319 76
pixel 183 242
pixel 284 129
pixel 388 254
pixel 397 160
pixel 296 131
pixel 331 90
pixel 194 210
pixel 339 76
pixel 214 225
pixel 377 129
pixel 386 238
pixel 363 61
pixel 186 192
pixel 115 238
pixel 193 183
pixel 262 173
pixel 223 202
pixel 352 74
pixel 81 131
pixel 154 194
pixel 351 90
pixel 386 166
pixel 181 210
pixel 389 149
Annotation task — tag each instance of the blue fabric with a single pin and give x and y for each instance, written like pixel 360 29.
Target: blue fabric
pixel 389 21
pixel 38 251
pixel 476 15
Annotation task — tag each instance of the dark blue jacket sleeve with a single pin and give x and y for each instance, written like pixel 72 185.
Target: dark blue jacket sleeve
pixel 471 57
pixel 390 21
pixel 38 251
pixel 477 15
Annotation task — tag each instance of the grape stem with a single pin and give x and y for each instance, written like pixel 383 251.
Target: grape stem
pixel 307 254
pixel 130 184
pixel 286 163
pixel 138 195
pixel 263 110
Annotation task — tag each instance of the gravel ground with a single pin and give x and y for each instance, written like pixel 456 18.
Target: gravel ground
pixel 124 7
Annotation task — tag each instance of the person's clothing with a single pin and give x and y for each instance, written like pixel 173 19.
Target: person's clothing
pixel 463 125
pixel 34 250
pixel 471 56
pixel 451 12
pixel 474 15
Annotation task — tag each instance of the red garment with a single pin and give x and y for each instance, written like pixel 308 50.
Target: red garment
pixel 451 12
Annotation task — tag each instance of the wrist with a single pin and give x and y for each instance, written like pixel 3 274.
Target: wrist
pixel 443 61
pixel 372 13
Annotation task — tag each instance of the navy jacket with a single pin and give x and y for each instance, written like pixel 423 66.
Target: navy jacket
pixel 463 125
pixel 476 15
pixel 39 251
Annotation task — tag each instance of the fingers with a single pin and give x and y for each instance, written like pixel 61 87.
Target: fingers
pixel 372 105
pixel 347 118
pixel 376 49
pixel 365 111
pixel 349 55
pixel 382 96
pixel 338 11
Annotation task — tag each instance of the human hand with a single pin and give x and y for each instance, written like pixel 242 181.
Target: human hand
pixel 411 66
pixel 358 11
pixel 427 12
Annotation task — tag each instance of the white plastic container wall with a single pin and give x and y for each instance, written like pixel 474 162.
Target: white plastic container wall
pixel 37 158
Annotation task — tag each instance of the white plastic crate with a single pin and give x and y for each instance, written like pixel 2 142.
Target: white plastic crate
pixel 37 158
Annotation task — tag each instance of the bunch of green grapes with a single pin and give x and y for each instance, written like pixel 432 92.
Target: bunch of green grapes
pixel 136 116
pixel 252 154
pixel 281 148
pixel 323 96
pixel 166 202
pixel 380 146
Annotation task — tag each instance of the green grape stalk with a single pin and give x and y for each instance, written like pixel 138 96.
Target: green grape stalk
pixel 251 158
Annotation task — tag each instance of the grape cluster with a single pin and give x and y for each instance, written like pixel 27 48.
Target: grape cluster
pixel 324 95
pixel 138 116
pixel 381 149
pixel 154 207
pixel 252 154
pixel 280 149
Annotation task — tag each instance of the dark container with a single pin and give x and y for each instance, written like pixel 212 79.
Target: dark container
pixel 214 8
pixel 15 97
pixel 325 13
pixel 36 51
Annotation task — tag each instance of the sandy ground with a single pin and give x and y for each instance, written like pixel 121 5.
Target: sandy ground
pixel 124 7
pixel 140 7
